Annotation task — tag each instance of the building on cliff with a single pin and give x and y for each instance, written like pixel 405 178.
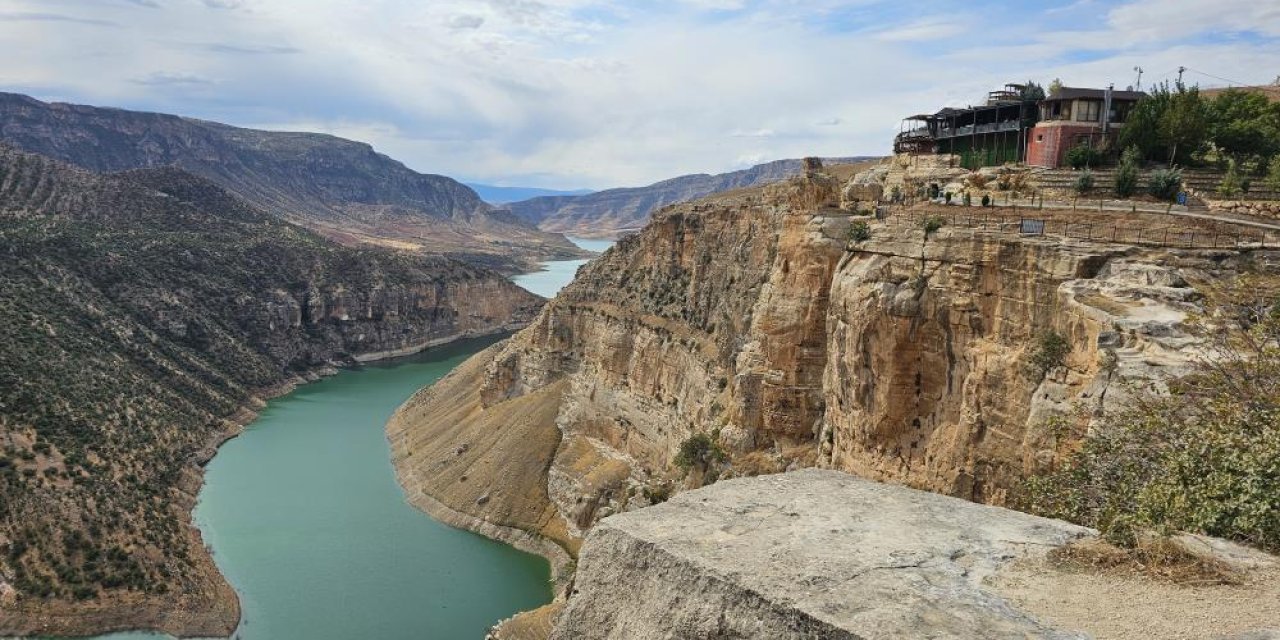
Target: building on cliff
pixel 1014 127
pixel 990 134
pixel 1071 117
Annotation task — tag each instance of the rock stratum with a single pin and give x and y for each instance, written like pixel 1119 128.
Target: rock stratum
pixel 147 314
pixel 613 212
pixel 340 188
pixel 752 318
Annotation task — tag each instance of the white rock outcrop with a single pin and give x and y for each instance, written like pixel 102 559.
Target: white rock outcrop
pixel 809 554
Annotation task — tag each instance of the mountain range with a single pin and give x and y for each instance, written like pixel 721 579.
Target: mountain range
pixel 340 188
pixel 612 212
pixel 503 195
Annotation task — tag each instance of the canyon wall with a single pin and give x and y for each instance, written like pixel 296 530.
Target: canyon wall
pixel 753 318
pixel 147 315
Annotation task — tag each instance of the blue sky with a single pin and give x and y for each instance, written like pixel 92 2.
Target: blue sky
pixel 594 93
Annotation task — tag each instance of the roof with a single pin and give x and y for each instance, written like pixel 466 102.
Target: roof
pixel 1071 93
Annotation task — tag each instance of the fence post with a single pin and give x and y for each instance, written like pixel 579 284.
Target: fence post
pixel 1166 236
pixel 1192 242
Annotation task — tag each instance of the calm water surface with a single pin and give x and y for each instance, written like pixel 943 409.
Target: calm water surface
pixel 556 275
pixel 306 519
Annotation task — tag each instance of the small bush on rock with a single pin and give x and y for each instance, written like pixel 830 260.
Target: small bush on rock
pixel 1050 353
pixel 860 231
pixel 933 223
pixel 699 451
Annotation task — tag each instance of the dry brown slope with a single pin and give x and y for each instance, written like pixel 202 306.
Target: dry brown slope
pixel 482 469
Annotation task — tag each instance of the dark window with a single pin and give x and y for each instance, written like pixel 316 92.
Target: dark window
pixel 1088 111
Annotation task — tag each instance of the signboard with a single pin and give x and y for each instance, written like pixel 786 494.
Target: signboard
pixel 1032 227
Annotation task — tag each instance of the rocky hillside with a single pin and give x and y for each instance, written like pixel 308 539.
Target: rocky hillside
pixel 749 333
pixel 340 188
pixel 609 213
pixel 145 314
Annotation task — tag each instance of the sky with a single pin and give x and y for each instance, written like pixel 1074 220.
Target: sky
pixel 599 93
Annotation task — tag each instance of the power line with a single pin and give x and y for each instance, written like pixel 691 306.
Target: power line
pixel 1234 82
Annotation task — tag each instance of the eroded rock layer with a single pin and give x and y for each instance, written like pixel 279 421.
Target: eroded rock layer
pixel 754 318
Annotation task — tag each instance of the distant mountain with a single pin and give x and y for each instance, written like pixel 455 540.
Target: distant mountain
pixel 340 188
pixel 614 211
pixel 144 313
pixel 503 195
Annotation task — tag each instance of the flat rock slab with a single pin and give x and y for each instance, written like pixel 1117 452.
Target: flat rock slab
pixel 809 554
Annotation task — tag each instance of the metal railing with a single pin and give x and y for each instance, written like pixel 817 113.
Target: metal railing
pixel 1028 224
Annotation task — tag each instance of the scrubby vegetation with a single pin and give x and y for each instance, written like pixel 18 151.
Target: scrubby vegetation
pixel 1127 172
pixel 932 224
pixel 140 312
pixel 1084 182
pixel 859 231
pixel 1203 457
pixel 699 451
pixel 1164 184
pixel 1083 156
pixel 1050 352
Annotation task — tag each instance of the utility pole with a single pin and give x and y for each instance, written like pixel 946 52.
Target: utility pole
pixel 1138 86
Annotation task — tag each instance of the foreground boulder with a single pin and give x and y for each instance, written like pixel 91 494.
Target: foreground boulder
pixel 822 554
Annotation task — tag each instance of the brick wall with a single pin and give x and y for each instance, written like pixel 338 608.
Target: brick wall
pixel 1048 144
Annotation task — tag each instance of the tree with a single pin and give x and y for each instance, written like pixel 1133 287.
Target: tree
pixel 1184 126
pixel 1055 86
pixel 1142 128
pixel 1244 124
pixel 1032 92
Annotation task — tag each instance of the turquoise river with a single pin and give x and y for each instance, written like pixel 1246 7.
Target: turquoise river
pixel 306 520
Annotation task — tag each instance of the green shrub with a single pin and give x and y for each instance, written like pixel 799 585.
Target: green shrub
pixel 1050 352
pixel 933 223
pixel 1165 183
pixel 1231 186
pixel 657 494
pixel 968 199
pixel 860 231
pixel 1082 156
pixel 986 199
pixel 699 451
pixel 1127 172
pixel 1273 173
pixel 947 197
pixel 1084 182
pixel 1203 458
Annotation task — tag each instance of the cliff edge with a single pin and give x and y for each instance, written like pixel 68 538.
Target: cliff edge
pixel 821 554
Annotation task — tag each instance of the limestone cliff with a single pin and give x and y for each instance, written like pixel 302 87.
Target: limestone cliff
pixel 753 318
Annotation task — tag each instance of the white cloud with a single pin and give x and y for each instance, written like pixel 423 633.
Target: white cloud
pixel 598 93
